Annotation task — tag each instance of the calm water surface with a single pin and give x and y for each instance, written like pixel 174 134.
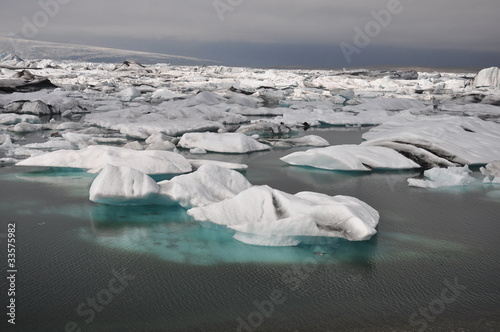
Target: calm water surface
pixel 183 276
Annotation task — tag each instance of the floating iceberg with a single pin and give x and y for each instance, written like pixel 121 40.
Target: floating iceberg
pixel 96 157
pixel 122 185
pixel 443 177
pixel 441 141
pixel 350 158
pixel 491 172
pixel 268 217
pixel 224 143
pixel 308 140
pixel 209 184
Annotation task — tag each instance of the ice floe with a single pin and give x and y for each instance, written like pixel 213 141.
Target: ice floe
pixel 223 143
pixel 350 158
pixel 96 157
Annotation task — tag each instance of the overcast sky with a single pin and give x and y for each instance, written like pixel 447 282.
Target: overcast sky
pixel 273 32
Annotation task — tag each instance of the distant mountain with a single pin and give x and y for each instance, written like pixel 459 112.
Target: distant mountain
pixel 30 49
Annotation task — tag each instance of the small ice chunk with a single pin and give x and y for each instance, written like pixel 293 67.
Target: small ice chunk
pixel 24 127
pixel 224 143
pixel 443 177
pixel 134 146
pixel 491 172
pixel 197 163
pixel 129 93
pixel 121 185
pixel 198 151
pixel 309 140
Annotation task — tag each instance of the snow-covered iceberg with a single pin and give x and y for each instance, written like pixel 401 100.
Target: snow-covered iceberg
pixel 491 172
pixel 224 143
pixel 122 185
pixel 268 217
pixel 350 158
pixel 96 157
pixel 209 184
pixel 443 177
pixel 439 141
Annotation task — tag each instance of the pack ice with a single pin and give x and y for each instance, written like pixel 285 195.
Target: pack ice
pixel 443 177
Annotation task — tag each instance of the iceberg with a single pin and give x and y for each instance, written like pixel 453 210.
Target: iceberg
pixel 441 141
pixel 308 140
pixel 443 177
pixel 223 143
pixel 96 157
pixel 488 78
pixel 491 172
pixel 268 217
pixel 350 158
pixel 122 185
pixel 209 184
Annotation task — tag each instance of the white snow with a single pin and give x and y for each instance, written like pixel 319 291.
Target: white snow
pixel 209 184
pixel 96 157
pixel 350 158
pixel 122 185
pixel 443 177
pixel 224 143
pixel 265 216
pixel 491 172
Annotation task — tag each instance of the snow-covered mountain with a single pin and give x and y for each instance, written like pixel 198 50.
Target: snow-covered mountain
pixel 31 49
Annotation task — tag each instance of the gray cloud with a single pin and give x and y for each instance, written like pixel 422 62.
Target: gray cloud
pixel 439 24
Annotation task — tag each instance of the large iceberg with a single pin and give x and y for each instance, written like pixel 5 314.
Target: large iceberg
pixel 224 143
pixel 119 185
pixel 440 141
pixel 443 177
pixel 96 157
pixel 268 217
pixel 350 158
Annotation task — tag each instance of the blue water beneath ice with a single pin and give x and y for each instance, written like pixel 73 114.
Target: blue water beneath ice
pixel 192 276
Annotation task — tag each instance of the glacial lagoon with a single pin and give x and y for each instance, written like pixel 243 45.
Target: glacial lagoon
pixel 191 276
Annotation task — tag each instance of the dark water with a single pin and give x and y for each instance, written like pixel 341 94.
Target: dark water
pixel 183 276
